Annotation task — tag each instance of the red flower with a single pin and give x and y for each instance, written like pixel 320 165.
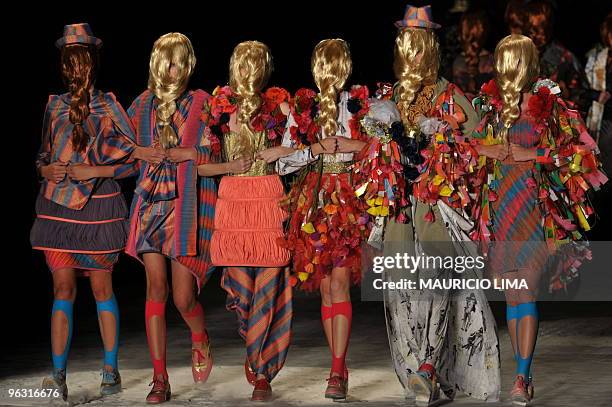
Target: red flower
pixel 359 92
pixel 275 96
pixel 490 89
pixel 222 101
pixel 304 100
pixel 540 105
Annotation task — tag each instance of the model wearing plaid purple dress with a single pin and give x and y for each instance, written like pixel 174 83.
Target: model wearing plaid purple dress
pixel 81 216
pixel 173 209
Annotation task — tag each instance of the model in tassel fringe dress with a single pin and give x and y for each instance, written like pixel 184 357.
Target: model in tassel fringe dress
pixel 439 339
pixel 541 163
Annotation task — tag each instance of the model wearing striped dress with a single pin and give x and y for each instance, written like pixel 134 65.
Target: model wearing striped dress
pixel 532 199
pixel 172 210
pixel 81 224
pixel 517 221
pixel 172 218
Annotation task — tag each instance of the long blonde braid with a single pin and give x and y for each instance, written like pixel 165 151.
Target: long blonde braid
pixel 410 71
pixel 516 67
pixel 173 50
pixel 331 66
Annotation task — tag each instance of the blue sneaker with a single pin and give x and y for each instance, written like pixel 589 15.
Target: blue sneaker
pixel 57 382
pixel 111 382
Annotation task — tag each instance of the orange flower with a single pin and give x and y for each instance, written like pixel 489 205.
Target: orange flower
pixel 277 95
pixel 322 228
pixel 330 209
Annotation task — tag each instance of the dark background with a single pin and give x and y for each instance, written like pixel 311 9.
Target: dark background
pixel 291 29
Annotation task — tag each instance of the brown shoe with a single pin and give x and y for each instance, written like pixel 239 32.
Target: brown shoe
pixel 249 373
pixel 262 391
pixel 160 392
pixel 336 388
pixel 201 363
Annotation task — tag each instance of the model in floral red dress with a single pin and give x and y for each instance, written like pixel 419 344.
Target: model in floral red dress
pixel 541 164
pixel 328 222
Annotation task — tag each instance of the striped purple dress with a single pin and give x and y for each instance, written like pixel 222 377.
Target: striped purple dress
pixel 173 209
pixel 83 224
pixel 517 219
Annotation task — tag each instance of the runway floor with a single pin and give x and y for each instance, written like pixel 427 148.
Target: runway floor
pixel 572 365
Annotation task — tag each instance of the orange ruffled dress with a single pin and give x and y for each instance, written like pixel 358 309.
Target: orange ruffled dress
pixel 248 218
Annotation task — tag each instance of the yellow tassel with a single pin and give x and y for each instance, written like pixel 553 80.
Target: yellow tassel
pixel 308 228
pixel 437 180
pixel 446 191
pixel 361 190
pixel 584 224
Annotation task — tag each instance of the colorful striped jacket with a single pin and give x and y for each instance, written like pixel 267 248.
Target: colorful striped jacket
pixel 110 142
pixel 171 181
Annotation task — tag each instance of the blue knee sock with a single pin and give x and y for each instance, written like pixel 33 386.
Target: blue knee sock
pixel 528 309
pixel 110 305
pixel 64 306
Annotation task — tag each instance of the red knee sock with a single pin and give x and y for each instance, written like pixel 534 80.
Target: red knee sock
pixel 196 312
pixel 339 361
pixel 158 309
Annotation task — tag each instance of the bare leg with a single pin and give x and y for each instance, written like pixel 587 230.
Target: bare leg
pixel 525 326
pixel 102 289
pixel 183 294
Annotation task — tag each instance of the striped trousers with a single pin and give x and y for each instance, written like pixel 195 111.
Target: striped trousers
pixel 262 300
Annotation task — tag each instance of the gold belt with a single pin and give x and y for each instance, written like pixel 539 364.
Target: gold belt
pixel 259 168
pixel 336 168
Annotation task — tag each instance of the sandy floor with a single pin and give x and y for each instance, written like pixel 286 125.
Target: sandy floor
pixel 572 367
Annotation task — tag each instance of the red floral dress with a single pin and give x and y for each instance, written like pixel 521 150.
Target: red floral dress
pixel 328 222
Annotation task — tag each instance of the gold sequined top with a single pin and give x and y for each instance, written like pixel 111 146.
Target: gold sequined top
pixel 247 144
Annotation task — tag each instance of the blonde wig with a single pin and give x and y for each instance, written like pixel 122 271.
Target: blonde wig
pixel 516 68
pixel 249 70
pixel 331 67
pixel 410 72
pixel 173 50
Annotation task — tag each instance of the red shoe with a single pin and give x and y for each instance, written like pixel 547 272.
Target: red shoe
pixel 522 392
pixel 262 391
pixel 346 377
pixel 160 392
pixel 337 388
pixel 249 373
pixel 201 363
